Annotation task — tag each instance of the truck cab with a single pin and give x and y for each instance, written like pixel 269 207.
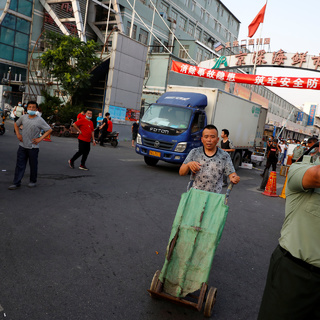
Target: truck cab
pixel 171 127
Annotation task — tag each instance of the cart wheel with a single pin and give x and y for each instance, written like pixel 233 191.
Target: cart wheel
pixel 211 300
pixel 154 281
pixel 66 133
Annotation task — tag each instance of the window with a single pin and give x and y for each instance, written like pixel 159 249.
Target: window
pixel 206 18
pixel 197 35
pixel 25 7
pixel 14 36
pixel 193 6
pixel 6 52
pixel 202 14
pixel 182 23
pixel 226 33
pixel 190 29
pixel 206 56
pixel 156 46
pixel 205 38
pixel 174 15
pixel 183 52
pixel 164 7
pixel 134 30
pixel 143 36
pixel 199 55
pixel 219 27
pixel 221 12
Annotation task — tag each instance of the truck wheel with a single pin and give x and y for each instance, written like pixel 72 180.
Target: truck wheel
pixel 150 161
pixel 237 160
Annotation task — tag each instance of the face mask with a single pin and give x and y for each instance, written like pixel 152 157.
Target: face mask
pixel 19 104
pixel 31 112
pixel 88 117
pixel 137 121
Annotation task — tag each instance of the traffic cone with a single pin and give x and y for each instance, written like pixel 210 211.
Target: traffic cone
pixel 271 188
pixel 48 138
pixel 283 192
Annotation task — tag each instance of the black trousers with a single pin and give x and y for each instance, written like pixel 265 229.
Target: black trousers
pixel 103 135
pixel 23 155
pixel 84 149
pixel 271 162
pixel 292 289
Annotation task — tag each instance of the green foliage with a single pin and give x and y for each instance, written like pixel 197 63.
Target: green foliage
pixel 49 105
pixel 70 60
pixel 54 111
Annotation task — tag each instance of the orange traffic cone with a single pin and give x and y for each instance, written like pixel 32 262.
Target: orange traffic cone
pixel 271 188
pixel 48 138
pixel 283 192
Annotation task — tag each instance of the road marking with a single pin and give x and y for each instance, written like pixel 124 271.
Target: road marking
pixel 132 160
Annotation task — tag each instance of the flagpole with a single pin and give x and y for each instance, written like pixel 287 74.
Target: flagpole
pixel 256 57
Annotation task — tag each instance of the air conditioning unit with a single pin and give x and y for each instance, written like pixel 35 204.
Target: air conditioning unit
pixel 38 73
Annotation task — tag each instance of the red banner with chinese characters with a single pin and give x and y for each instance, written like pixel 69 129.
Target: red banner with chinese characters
pixel 268 81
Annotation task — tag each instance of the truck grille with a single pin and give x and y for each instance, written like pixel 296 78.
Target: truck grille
pixel 162 144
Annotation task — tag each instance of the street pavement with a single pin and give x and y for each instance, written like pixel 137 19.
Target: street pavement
pixel 85 245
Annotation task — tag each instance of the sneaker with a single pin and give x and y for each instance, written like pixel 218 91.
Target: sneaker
pixel 83 168
pixel 32 184
pixel 14 187
pixel 71 164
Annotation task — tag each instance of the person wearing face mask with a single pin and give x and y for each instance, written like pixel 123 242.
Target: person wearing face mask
pixel 86 135
pixel 297 152
pixel 18 111
pixel 29 144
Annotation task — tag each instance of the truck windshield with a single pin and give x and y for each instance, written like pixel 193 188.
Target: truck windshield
pixel 167 116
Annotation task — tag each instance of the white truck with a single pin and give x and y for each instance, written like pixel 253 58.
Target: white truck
pixel 173 125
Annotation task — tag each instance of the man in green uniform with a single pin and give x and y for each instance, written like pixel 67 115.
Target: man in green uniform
pixel 292 289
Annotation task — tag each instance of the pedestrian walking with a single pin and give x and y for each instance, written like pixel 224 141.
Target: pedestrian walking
pixel 283 148
pixel 272 156
pixel 208 164
pixel 226 145
pixel 134 130
pixel 292 286
pixel 29 144
pixel 86 134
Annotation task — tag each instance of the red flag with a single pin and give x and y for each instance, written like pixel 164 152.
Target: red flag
pixel 256 21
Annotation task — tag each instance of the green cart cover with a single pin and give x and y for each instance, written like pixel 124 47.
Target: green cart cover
pixel 194 237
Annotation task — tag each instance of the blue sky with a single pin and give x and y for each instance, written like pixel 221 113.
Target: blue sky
pixel 292 26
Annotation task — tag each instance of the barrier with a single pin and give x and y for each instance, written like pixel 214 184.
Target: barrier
pixel 271 188
pixel 283 192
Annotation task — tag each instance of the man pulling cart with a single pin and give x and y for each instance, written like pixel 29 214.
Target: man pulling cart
pixel 197 227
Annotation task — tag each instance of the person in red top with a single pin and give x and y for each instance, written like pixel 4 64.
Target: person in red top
pixel 110 125
pixel 86 134
pixel 81 115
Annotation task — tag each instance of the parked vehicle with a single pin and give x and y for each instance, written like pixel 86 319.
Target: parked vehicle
pixel 112 138
pixel 173 125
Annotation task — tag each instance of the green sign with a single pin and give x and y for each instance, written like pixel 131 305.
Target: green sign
pixel 223 60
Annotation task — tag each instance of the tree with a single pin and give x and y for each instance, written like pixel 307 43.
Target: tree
pixel 70 60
